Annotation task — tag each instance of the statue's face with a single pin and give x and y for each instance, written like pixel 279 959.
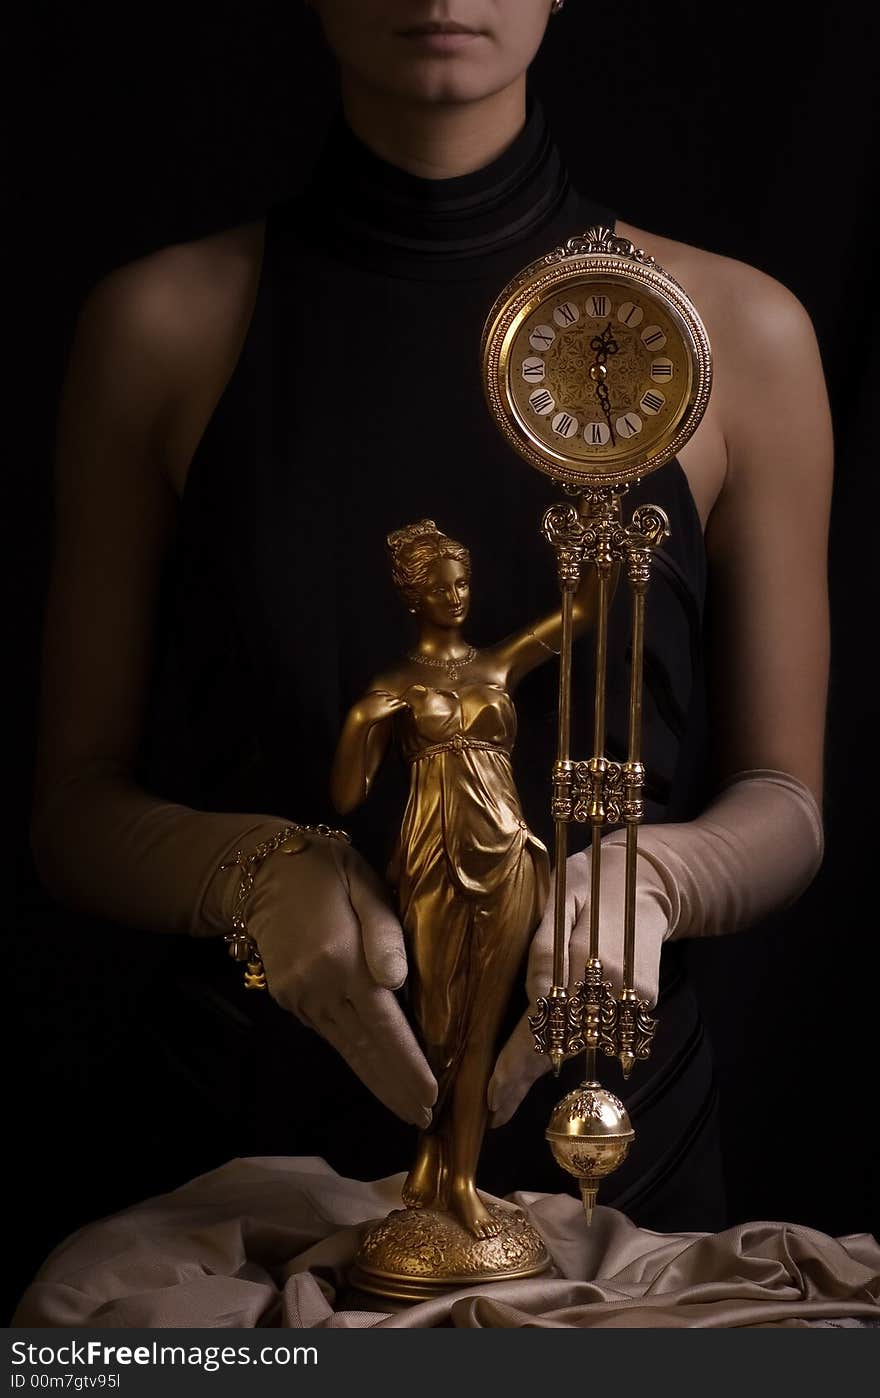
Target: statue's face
pixel 445 597
pixel 384 44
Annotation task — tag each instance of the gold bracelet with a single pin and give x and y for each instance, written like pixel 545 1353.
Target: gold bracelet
pixel 291 839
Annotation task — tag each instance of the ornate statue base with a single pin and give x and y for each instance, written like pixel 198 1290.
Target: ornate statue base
pixel 415 1254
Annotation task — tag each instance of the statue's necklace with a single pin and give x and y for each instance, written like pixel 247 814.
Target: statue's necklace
pixel 453 667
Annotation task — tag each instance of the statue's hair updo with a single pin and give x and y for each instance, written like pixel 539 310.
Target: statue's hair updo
pixel 413 549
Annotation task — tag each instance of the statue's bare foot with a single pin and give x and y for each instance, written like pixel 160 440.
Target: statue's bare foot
pixel 422 1184
pixel 471 1211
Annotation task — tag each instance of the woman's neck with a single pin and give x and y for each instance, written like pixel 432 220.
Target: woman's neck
pixel 435 141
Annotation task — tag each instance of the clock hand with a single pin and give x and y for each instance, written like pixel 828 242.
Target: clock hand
pixel 603 345
pixel 605 405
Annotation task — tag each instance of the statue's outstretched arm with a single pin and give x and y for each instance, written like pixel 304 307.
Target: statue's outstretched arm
pixel 525 650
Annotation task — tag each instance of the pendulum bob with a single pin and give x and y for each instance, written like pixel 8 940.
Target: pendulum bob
pixel 415 1254
pixel 590 1135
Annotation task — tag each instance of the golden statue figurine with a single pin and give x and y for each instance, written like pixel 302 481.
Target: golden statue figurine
pixel 471 879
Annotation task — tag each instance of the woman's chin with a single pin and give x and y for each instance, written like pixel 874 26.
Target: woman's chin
pixel 453 75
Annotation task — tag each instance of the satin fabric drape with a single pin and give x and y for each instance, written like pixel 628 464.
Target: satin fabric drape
pixel 267 1241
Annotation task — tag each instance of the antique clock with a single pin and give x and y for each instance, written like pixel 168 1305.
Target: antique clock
pixel 597 369
pixel 596 364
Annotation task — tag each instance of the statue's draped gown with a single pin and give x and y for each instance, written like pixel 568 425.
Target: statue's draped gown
pixel 469 874
pixel 356 407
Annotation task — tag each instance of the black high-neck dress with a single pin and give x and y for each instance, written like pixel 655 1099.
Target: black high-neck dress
pixel 356 407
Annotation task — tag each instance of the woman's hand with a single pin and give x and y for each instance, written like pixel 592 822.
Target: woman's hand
pixel 333 952
pixel 519 1065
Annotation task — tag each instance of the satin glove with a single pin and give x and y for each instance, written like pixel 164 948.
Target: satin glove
pixel 333 952
pixel 752 852
pixel 331 945
pixel 519 1065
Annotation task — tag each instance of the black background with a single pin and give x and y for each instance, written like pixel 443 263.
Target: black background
pixel 746 129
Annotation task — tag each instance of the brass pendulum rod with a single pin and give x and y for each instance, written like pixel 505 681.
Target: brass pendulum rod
pixel 635 1027
pixel 632 770
pixel 569 568
pixel 552 1024
pixel 597 804
pixel 563 742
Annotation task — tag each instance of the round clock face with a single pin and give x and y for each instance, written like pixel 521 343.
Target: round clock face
pixel 597 371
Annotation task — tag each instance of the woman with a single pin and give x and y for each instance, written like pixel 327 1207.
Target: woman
pixel 262 400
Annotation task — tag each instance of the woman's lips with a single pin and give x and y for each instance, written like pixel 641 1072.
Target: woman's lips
pixel 441 40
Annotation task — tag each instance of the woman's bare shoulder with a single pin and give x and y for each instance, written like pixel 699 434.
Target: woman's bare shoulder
pixel 733 298
pixel 767 370
pixel 180 298
pixel 159 337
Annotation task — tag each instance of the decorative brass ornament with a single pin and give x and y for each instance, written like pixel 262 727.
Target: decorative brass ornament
pixel 597 369
pixel 416 1252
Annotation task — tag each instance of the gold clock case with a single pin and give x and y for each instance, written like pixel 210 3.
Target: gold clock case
pixel 594 258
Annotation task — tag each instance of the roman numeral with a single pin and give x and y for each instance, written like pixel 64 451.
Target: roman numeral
pixel 630 314
pixel 533 369
pixel 653 337
pixel 652 402
pixel 598 306
pixel 542 336
pixel 565 425
pixel 541 401
pixel 629 425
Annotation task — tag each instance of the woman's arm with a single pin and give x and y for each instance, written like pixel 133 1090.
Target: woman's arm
pixel 145 351
pixel 99 840
pixel 767 537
